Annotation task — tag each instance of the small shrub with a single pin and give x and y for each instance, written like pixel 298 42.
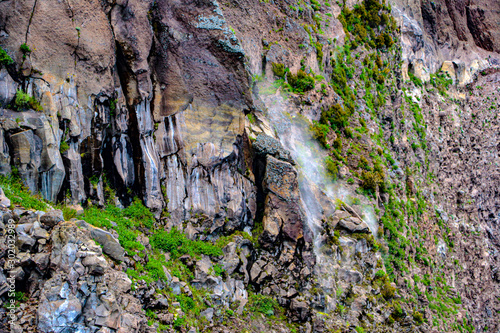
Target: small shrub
pixel 278 70
pixel 5 59
pixel 418 317
pixel 300 82
pixel 25 48
pixel 112 107
pixel 371 180
pixel 262 304
pixel 320 133
pixel 398 312
pixel 336 116
pixel 337 143
pixel 332 167
pixel 388 291
pixel 63 147
pixel 179 323
pixel 23 101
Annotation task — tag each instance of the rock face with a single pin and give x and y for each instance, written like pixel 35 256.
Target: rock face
pixel 460 32
pixel 138 115
pixel 172 102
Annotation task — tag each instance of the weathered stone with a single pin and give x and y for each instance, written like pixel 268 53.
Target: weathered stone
pixel 42 261
pixel 52 218
pixel 354 225
pixel 96 265
pixel 18 273
pixel 39 232
pixel 8 88
pixel 26 150
pixel 24 242
pixel 266 145
pixel 4 201
pixel 110 245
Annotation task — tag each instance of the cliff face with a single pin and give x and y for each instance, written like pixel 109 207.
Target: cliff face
pixel 199 109
pixel 152 95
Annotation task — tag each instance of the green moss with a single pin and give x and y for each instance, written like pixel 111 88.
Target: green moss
pixel 68 213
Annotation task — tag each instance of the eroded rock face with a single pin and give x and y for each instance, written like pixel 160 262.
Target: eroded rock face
pixel 455 31
pixel 164 121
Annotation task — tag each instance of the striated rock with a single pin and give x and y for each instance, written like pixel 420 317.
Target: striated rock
pixel 8 88
pixel 283 212
pixel 26 150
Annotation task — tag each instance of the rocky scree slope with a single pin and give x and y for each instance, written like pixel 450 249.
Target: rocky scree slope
pixel 155 107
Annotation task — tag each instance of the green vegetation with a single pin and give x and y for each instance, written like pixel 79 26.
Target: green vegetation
pixel 124 221
pixel 112 107
pixel 5 59
pixel 23 101
pixel 63 147
pixel 279 70
pixel 363 23
pixel 300 82
pixel 25 49
pixel 441 81
pixel 18 194
pixel 178 244
pixel 336 117
pixel 258 303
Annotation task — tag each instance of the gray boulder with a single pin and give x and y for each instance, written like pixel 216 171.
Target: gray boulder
pixel 52 218
pixel 110 245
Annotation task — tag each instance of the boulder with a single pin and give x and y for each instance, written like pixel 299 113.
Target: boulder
pixel 52 218
pixel 110 245
pixel 96 264
pixel 4 201
pixel 24 242
pixel 354 224
pixel 266 145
